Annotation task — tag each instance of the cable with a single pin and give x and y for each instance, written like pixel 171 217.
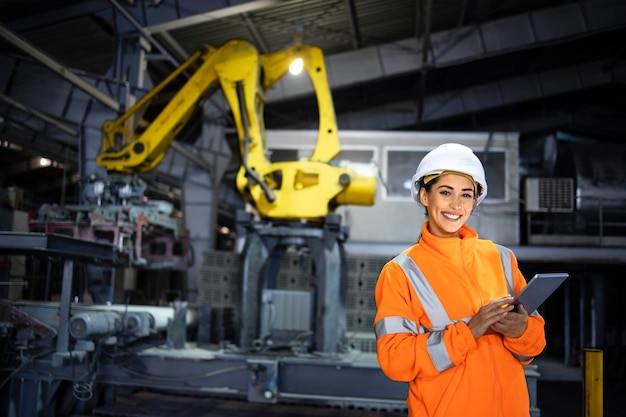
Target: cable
pixel 27 360
pixel 82 389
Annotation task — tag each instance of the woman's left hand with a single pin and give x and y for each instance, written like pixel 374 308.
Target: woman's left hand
pixel 513 324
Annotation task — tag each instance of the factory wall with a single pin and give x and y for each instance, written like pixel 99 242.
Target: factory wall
pixel 393 158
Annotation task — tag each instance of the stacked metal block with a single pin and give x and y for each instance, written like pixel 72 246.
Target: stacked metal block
pixel 219 287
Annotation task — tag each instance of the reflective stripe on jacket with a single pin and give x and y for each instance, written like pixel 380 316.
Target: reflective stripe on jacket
pixel 435 310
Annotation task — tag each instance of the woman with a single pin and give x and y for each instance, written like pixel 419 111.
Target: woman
pixel 444 321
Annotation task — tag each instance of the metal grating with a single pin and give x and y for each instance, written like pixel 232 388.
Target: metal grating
pixel 364 341
pixel 550 195
pixel 218 286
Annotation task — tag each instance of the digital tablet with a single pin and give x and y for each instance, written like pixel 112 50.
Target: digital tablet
pixel 538 289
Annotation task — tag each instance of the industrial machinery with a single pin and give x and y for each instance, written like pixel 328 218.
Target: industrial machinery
pixel 149 233
pixel 293 206
pixel 582 202
pixel 293 201
pixel 292 190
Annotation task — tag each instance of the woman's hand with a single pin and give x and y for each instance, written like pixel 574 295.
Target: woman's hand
pixel 491 314
pixel 512 325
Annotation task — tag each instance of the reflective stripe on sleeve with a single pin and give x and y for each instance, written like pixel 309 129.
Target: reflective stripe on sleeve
pixel 393 325
pixel 438 352
pixel 435 345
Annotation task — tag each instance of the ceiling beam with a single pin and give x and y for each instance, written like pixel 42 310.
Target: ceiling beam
pixel 489 96
pixel 48 119
pixel 146 34
pixel 456 46
pixel 254 33
pixel 56 15
pixel 37 141
pixel 58 68
pixel 353 24
pixel 156 19
pixel 426 53
pixel 462 11
pixel 219 12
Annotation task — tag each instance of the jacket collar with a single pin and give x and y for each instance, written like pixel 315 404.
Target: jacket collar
pixel 456 250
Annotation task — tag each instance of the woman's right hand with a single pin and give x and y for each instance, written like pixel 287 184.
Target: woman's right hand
pixel 490 314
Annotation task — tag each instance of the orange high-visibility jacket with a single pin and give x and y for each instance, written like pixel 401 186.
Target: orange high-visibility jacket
pixel 425 297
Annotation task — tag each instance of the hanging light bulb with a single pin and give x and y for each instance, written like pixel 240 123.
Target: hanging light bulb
pixel 297 39
pixel 296 66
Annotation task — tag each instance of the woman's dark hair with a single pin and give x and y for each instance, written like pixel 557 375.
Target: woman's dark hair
pixel 429 186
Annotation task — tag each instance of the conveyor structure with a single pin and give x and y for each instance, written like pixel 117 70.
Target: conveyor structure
pixel 72 356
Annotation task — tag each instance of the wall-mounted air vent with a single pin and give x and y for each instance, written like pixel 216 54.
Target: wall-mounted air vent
pixel 550 195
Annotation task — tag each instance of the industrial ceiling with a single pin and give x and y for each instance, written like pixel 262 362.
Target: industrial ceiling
pixel 537 67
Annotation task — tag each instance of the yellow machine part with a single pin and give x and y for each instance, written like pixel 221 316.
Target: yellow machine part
pixel 309 188
pixel 302 190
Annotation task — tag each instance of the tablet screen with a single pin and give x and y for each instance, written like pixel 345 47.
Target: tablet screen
pixel 538 289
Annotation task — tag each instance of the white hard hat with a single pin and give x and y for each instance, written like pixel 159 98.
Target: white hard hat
pixel 450 157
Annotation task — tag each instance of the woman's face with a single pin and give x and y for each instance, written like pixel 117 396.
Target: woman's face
pixel 449 204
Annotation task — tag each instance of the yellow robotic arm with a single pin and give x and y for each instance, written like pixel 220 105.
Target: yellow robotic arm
pixel 132 145
pixel 294 190
pixel 275 66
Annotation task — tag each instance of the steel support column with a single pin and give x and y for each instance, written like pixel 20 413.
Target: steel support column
pixel 264 248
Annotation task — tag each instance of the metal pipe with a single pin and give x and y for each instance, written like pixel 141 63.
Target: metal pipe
pixel 425 60
pixel 46 312
pixel 144 32
pixel 567 325
pixel 353 24
pixel 62 126
pixel 592 383
pixel 64 310
pixel 59 68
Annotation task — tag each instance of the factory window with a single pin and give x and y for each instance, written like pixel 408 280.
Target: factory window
pixel 495 168
pixel 355 155
pixel 360 160
pixel 401 164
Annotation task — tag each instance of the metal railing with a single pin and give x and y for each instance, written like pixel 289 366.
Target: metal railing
pixel 602 222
